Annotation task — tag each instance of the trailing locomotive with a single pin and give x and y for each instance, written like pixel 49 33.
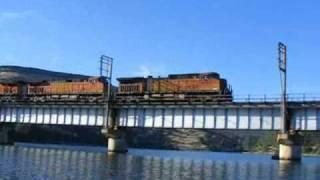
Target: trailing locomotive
pixel 8 89
pixel 176 87
pixel 91 86
pixel 198 84
pixel 86 89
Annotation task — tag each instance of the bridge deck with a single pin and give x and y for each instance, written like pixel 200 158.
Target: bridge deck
pixel 84 115
pixel 237 115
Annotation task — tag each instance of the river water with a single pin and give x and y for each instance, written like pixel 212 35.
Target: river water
pixel 32 161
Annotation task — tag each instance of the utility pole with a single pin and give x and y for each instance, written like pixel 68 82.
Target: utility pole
pixel 106 63
pixel 282 57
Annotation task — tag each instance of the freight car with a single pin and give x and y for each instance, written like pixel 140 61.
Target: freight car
pixel 208 85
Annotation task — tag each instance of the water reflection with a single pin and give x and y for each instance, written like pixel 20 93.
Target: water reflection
pixel 44 163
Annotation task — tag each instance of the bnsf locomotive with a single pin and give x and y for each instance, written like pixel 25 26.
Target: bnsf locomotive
pixel 87 89
pixel 192 85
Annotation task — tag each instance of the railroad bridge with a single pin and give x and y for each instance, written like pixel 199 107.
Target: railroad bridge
pixel 249 115
pixel 158 103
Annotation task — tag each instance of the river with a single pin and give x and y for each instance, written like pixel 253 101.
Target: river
pixel 33 161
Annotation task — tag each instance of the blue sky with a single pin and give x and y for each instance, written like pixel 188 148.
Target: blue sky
pixel 236 38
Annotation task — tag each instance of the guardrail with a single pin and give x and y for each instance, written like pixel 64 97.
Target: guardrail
pixel 294 97
pixel 213 98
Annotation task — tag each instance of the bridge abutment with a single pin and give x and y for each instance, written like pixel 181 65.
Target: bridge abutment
pixel 290 146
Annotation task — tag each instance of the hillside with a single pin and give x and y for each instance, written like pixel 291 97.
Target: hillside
pixel 13 74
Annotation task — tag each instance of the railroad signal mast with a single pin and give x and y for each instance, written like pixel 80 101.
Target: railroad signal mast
pixel 290 141
pixel 106 63
pixel 115 137
pixel 282 57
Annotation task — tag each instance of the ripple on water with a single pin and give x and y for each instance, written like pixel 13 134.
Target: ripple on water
pixel 69 162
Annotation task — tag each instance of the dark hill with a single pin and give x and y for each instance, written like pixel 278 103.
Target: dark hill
pixel 13 74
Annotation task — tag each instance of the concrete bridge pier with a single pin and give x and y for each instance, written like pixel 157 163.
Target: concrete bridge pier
pixel 116 140
pixel 6 134
pixel 115 135
pixel 290 145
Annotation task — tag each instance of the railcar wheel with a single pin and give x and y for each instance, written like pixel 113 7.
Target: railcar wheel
pixel 92 99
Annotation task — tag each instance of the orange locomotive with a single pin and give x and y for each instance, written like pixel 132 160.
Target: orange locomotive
pixel 91 86
pixel 203 83
pixel 8 89
pixel 89 89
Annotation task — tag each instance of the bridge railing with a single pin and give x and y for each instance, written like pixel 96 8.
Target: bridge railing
pixel 292 97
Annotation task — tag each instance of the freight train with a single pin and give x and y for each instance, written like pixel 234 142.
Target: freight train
pixel 84 89
pixel 204 85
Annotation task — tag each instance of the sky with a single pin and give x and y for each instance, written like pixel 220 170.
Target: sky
pixel 236 38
